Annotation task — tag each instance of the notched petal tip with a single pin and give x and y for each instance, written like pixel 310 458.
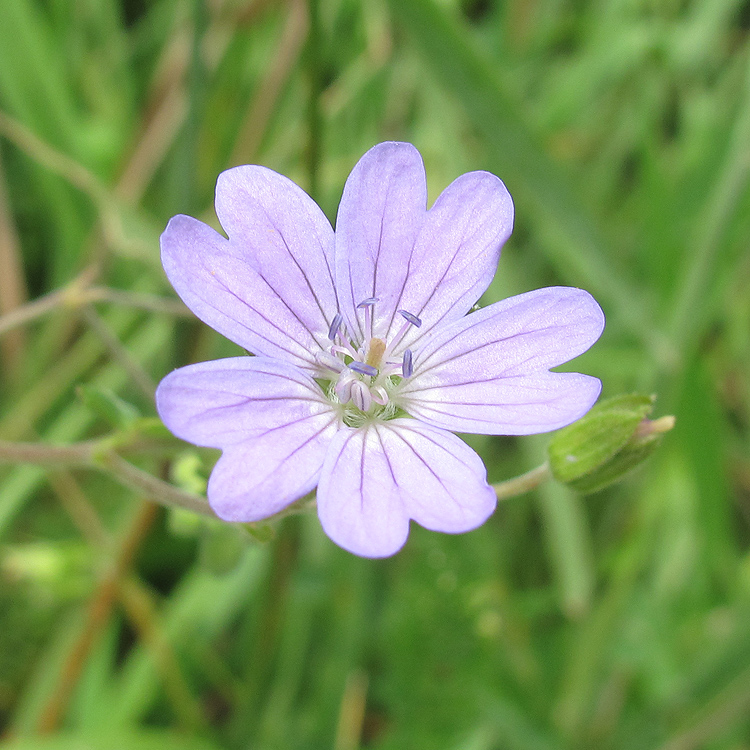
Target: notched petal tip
pixel 455 255
pixel 377 477
pixel 382 208
pixel 269 287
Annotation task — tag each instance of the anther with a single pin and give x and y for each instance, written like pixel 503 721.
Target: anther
pixel 363 369
pixel 335 325
pixel 361 396
pixel 413 319
pixel 406 367
pixel 343 387
pixel 369 302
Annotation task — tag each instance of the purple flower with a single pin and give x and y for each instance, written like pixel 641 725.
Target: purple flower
pixel 366 360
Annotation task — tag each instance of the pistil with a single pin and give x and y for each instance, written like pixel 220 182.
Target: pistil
pixel 375 352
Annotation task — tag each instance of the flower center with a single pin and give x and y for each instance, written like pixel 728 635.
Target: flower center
pixel 362 374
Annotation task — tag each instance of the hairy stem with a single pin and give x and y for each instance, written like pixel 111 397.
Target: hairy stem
pixel 96 454
pixel 524 483
pixel 76 295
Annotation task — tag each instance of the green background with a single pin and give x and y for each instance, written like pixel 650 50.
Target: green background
pixel 615 620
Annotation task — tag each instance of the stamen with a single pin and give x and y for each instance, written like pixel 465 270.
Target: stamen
pixel 343 387
pixel 335 325
pixel 379 395
pixel 369 302
pixel 407 368
pixel 413 319
pixel 363 369
pixel 346 349
pixel 361 396
pixel 410 320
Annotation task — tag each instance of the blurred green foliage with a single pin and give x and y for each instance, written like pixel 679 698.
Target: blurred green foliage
pixel 620 620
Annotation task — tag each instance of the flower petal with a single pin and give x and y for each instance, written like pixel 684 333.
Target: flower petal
pixel 456 253
pixel 380 214
pixel 378 476
pixel 258 478
pixel 269 288
pixel 486 373
pixel 285 237
pixel 226 401
pixel 525 405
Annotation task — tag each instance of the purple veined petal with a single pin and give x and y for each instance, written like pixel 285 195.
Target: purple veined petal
pixel 226 293
pixel 380 214
pixel 261 476
pixel 358 502
pixel 456 253
pixel 377 477
pixel 526 333
pixel 227 401
pixel 283 234
pixel 487 373
pixel 523 405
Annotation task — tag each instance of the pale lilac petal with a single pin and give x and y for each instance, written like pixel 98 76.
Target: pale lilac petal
pixel 359 505
pixel 456 253
pixel 218 282
pixel 257 478
pixel 486 373
pixel 381 212
pixel 227 401
pixel 524 405
pixel 377 477
pixel 282 233
pixel 526 333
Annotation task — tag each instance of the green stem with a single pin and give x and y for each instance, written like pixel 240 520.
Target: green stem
pixel 75 295
pixel 155 489
pixel 118 352
pixel 96 454
pixel 524 483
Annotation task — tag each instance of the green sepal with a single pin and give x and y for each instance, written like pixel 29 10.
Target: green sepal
pixel 600 448
pixel 632 455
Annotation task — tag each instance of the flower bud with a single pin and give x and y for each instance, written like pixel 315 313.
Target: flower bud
pixel 613 438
